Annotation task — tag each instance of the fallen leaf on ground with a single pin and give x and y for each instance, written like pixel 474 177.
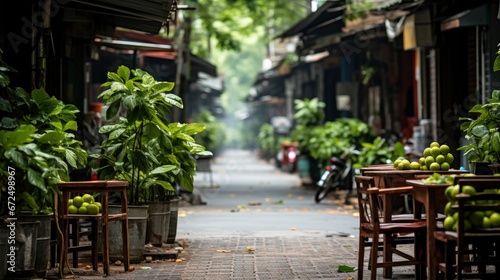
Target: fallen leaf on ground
pixel 268 199
pixel 293 228
pixel 356 214
pixel 131 268
pixel 250 249
pixel 300 197
pixel 241 207
pixel 145 267
pixel 279 202
pixel 345 268
pixel 223 251
pixel 118 262
pixel 256 203
pixel 88 266
pixel 290 195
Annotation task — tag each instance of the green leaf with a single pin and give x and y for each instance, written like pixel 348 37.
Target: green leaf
pixel 39 95
pixel 9 123
pixel 36 179
pixel 48 106
pixel 163 87
pixel 23 134
pixel 71 125
pixel 130 102
pixel 166 185
pixel 114 77
pixel 5 105
pixel 31 201
pixel 57 125
pixel 124 72
pixel 496 64
pixel 495 141
pixel 479 131
pixel 71 158
pixel 112 110
pixel 116 133
pixel 194 128
pixel 163 169
pixel 173 99
pixel 17 157
pixel 345 268
pixel 52 137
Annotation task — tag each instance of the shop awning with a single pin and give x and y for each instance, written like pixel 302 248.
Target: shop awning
pixel 473 17
pixel 146 15
pixel 328 16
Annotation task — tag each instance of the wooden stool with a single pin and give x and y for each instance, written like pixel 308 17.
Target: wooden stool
pixel 104 188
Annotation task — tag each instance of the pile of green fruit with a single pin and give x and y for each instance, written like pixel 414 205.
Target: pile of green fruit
pixel 475 219
pixel 84 204
pixel 435 157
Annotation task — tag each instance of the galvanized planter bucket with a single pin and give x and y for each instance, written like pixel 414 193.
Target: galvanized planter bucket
pixel 158 222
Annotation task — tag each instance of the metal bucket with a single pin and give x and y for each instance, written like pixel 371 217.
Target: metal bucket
pixel 137 225
pixel 25 253
pixel 172 225
pixel 42 241
pixel 158 222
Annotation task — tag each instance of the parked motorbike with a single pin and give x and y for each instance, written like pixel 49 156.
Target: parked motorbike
pixel 290 159
pixel 287 157
pixel 338 175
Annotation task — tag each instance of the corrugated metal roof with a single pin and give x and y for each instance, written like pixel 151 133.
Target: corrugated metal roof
pixel 145 15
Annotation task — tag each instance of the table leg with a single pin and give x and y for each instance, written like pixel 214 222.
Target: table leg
pixel 387 247
pixel 431 227
pixel 125 236
pixel 95 238
pixel 105 233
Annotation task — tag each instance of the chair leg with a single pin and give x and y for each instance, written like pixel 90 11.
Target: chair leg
pixel 450 259
pixel 420 254
pixel 374 256
pixel 361 256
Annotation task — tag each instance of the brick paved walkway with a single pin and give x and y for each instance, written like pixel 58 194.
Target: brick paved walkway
pixel 259 258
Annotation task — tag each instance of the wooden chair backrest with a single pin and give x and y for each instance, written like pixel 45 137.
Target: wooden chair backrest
pixel 480 183
pixel 369 210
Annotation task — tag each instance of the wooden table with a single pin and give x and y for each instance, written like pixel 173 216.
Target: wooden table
pixel 387 178
pixel 432 198
pixel 104 188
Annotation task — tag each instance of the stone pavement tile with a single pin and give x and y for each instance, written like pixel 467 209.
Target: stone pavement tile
pixel 253 258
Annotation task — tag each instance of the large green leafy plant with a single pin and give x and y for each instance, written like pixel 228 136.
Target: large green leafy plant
pixel 214 135
pixel 481 128
pixel 142 147
pixel 308 115
pixel 334 138
pixel 38 141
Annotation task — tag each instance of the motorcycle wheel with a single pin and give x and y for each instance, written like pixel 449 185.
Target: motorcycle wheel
pixel 327 187
pixel 291 167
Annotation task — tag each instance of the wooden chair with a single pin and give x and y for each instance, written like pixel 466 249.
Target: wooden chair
pixel 472 252
pixel 371 227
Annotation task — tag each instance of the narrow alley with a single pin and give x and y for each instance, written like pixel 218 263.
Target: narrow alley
pixel 257 222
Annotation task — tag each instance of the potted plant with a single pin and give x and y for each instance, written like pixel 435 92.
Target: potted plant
pixel 308 116
pixel 38 149
pixel 481 128
pixel 142 146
